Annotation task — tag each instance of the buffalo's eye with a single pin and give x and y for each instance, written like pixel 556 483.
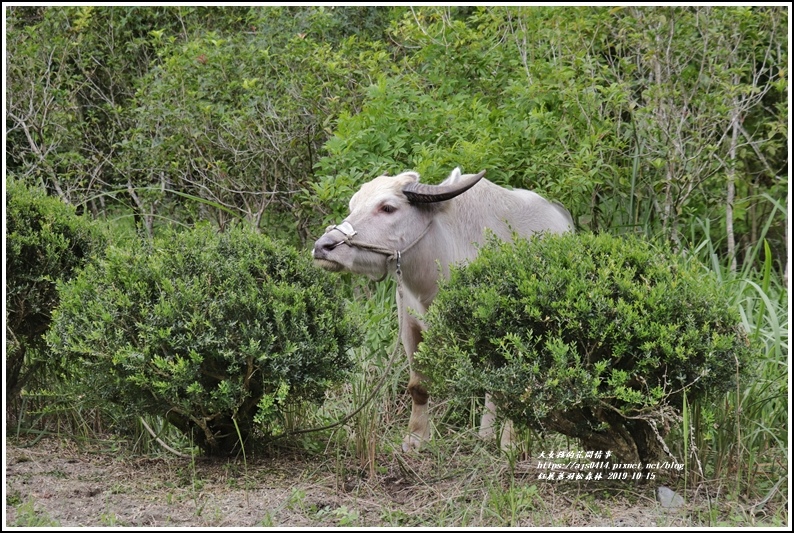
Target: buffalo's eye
pixel 386 208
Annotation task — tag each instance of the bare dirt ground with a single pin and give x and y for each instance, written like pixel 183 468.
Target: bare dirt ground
pixel 56 483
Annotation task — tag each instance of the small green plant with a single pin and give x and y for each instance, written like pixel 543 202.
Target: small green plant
pixel 343 516
pixel 511 504
pixel 296 499
pixel 218 333
pixel 593 336
pixel 346 517
pixel 13 498
pixel 109 518
pixel 267 520
pixel 29 516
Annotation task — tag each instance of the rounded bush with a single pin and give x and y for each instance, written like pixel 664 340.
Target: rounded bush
pixel 593 336
pixel 216 332
pixel 45 242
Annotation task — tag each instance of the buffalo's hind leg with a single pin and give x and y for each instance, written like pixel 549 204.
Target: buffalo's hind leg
pixel 488 426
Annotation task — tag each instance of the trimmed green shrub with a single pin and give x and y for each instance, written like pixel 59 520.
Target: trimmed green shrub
pixel 215 332
pixel 45 242
pixel 593 336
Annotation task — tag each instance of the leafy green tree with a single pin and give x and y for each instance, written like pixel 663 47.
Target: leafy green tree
pixel 237 120
pixel 72 74
pixel 622 114
pixel 667 119
pixel 695 74
pixel 217 333
pixel 596 337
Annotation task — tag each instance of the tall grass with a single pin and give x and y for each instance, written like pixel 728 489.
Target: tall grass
pixel 376 305
pixel 379 370
pixel 741 438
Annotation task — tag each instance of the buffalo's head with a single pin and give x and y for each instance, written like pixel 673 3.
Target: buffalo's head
pixel 387 215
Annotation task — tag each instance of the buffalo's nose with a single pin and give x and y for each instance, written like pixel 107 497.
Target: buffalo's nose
pixel 322 246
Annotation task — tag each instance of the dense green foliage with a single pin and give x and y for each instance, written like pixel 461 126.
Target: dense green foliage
pixel 46 242
pixel 596 337
pixel 145 107
pixel 614 112
pixel 215 332
pixel 648 117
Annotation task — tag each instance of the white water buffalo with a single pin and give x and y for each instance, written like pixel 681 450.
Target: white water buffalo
pixel 397 222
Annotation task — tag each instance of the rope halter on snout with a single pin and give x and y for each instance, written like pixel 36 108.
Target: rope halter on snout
pixel 346 229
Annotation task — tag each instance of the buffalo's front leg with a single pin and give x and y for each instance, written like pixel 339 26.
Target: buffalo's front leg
pixel 488 420
pixel 418 425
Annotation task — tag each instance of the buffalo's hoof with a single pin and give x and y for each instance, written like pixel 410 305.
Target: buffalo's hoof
pixel 412 443
pixel 487 432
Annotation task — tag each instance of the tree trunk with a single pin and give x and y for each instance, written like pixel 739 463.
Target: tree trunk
pixel 731 192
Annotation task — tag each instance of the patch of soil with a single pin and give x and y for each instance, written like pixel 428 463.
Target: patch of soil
pixel 55 482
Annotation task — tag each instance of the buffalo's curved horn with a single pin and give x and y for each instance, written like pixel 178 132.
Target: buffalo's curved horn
pixel 422 193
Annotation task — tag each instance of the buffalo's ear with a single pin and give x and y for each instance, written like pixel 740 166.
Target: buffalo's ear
pixel 454 176
pixel 421 193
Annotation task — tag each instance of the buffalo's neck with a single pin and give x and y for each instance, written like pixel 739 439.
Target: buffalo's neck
pixel 430 259
pixel 420 275
pixel 458 228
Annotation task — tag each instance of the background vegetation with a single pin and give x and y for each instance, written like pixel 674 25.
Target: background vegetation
pixel 667 122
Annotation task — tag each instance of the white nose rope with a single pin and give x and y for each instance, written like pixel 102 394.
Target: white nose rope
pixel 347 230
